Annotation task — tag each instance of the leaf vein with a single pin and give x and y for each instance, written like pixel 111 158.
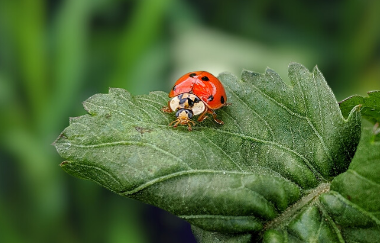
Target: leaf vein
pixel 234 119
pixel 214 216
pixel 114 110
pixel 356 206
pixel 224 152
pixel 330 220
pixel 319 102
pixel 159 111
pixel 306 161
pixel 150 100
pixel 103 170
pixel 136 106
pixel 326 150
pixel 195 142
pixel 127 143
pixel 178 174
pixel 355 173
pixel 253 111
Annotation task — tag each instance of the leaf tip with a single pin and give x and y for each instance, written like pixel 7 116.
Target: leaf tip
pixel 270 71
pixel 85 106
pixel 118 91
pixel 317 71
pixel 293 65
pixel 224 75
pixel 64 163
pixel 249 75
pixel 72 120
pixel 373 92
pixel 61 136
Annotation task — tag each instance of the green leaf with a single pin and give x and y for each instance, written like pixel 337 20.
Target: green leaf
pixel 349 212
pixel 207 236
pixel 370 106
pixel 361 183
pixel 263 170
pixel 354 200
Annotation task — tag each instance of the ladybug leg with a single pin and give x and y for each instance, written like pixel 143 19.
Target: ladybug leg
pixel 167 109
pixel 192 122
pixel 189 126
pixel 176 122
pixel 214 116
pixel 203 115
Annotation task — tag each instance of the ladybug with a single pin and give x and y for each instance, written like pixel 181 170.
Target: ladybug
pixel 196 93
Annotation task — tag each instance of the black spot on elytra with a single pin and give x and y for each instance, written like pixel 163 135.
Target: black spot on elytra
pixel 210 98
pixel 222 99
pixel 205 78
pixel 174 87
pixel 192 74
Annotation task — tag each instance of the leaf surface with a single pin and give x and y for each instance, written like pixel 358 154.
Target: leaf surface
pixel 278 151
pixel 349 211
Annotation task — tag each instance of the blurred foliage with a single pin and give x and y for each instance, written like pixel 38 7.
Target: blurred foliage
pixel 55 54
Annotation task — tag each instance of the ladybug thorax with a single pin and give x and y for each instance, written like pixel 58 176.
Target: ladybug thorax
pixel 189 102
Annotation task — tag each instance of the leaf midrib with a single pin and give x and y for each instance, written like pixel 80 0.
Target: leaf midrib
pixel 294 209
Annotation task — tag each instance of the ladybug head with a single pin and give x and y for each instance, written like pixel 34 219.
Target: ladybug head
pixel 184 116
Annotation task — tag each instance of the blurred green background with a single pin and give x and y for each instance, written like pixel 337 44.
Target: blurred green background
pixel 55 54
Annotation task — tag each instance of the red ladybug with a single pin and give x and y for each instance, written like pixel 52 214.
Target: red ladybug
pixel 196 93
